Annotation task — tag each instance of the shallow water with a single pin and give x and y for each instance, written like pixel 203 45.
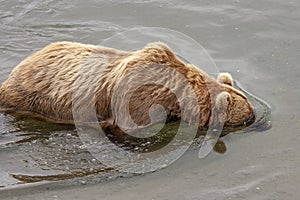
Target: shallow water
pixel 257 42
pixel 37 151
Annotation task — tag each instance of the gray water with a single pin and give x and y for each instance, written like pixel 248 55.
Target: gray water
pixel 257 42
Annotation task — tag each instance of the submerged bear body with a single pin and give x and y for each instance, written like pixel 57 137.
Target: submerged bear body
pixel 67 76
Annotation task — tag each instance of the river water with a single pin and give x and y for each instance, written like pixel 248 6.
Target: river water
pixel 256 41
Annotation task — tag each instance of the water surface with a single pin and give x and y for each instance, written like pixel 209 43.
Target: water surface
pixel 257 42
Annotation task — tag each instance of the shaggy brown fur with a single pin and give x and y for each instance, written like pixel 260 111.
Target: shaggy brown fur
pixel 45 82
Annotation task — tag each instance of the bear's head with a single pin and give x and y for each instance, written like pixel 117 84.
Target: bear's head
pixel 231 105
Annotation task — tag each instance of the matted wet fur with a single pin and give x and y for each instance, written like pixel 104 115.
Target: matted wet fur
pixel 44 84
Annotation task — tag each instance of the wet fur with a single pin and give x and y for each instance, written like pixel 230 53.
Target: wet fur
pixel 44 83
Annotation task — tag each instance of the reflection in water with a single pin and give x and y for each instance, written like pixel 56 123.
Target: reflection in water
pixel 36 151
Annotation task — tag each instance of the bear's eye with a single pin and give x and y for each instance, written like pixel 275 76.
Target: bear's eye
pixel 225 78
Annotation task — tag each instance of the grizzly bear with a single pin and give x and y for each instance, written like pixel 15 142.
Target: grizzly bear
pixel 45 83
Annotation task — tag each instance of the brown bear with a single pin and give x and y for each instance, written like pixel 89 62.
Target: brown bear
pixel 45 83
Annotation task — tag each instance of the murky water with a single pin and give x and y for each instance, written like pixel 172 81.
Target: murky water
pixel 257 42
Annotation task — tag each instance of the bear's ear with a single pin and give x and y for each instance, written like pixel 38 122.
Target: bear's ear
pixel 222 101
pixel 225 78
pixel 219 110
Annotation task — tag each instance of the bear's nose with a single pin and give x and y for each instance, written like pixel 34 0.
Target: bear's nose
pixel 250 120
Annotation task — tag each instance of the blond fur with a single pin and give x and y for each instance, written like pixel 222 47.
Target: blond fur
pixel 44 83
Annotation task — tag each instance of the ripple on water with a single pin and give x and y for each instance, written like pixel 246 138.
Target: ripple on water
pixel 35 151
